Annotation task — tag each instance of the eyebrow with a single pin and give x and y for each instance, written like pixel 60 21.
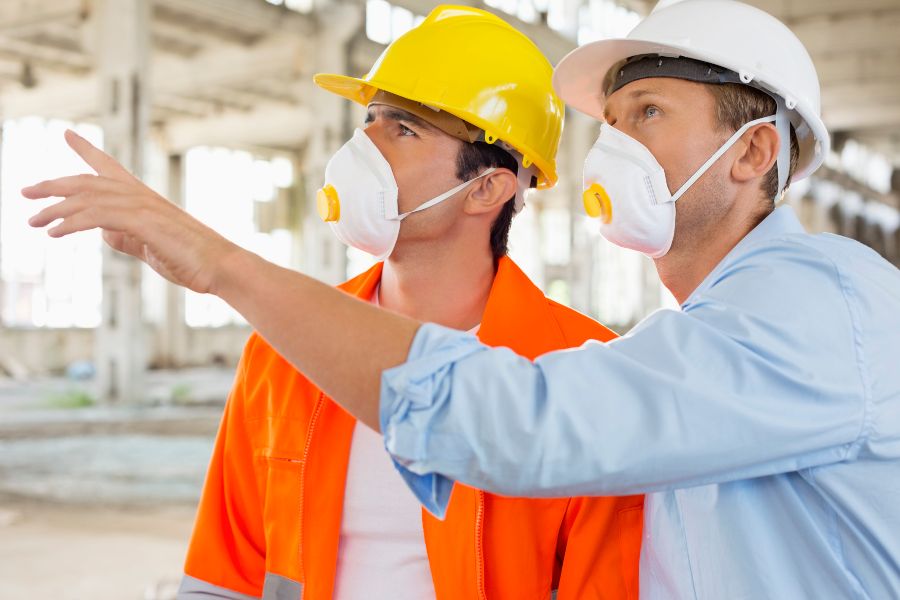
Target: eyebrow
pixel 398 114
pixel 635 95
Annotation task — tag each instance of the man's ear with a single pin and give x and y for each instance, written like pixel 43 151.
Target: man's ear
pixel 758 154
pixel 491 192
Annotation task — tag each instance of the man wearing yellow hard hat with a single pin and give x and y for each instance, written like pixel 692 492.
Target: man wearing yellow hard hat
pixel 762 418
pixel 300 500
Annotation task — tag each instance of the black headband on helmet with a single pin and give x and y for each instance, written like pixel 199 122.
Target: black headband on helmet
pixel 654 65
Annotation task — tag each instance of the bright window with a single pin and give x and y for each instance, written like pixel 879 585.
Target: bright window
pixel 386 22
pixel 301 6
pixel 866 166
pixel 590 21
pixel 222 189
pixel 45 282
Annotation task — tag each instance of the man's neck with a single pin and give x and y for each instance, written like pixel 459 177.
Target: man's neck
pixel 448 284
pixel 694 257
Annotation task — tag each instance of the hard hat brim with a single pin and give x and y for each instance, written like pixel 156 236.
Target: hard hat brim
pixel 351 88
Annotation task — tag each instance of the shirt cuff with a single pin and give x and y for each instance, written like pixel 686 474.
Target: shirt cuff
pixel 412 394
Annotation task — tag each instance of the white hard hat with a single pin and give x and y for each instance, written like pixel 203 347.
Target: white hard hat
pixel 741 38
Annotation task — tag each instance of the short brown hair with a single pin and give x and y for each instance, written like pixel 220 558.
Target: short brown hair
pixel 737 104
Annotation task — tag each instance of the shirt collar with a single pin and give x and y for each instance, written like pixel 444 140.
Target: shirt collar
pixel 517 313
pixel 783 220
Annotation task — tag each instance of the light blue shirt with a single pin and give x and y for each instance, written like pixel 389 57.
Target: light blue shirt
pixel 762 419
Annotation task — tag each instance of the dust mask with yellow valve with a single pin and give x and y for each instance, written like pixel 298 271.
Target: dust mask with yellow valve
pixel 625 187
pixel 359 198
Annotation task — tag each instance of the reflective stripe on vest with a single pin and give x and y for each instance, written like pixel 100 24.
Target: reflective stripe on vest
pixel 275 587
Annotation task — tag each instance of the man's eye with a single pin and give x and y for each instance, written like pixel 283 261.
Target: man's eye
pixel 404 130
pixel 650 111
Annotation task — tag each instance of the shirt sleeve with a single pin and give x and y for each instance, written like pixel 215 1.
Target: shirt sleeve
pixel 761 373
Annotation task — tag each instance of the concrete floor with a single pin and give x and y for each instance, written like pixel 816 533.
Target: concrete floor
pixel 53 552
pixel 97 502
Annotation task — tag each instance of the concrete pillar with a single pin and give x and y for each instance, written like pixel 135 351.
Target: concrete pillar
pixel 652 293
pixel 535 221
pixel 2 248
pixel 819 216
pixel 579 135
pixel 836 218
pixel 174 334
pixel 324 257
pixel 859 229
pixel 299 203
pixel 896 254
pixel 123 42
pixel 872 235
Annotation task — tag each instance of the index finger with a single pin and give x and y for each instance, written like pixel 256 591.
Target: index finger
pixel 69 186
pixel 97 159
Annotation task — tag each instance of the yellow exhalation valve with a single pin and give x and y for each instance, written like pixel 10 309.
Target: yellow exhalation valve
pixel 597 203
pixel 328 204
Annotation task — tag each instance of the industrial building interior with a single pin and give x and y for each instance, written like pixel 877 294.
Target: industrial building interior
pixel 112 381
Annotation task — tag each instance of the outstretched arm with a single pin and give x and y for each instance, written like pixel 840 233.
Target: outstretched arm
pixel 343 345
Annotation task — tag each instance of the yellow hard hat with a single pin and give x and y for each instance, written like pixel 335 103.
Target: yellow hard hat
pixel 477 67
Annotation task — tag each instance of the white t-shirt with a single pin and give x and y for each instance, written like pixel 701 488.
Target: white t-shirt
pixel 382 548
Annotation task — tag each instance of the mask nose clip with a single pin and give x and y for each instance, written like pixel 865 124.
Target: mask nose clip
pixel 597 203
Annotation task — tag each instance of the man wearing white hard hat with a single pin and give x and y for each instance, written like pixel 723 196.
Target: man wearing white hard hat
pixel 762 418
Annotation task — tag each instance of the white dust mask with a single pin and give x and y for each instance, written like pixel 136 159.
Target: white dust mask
pixel 626 188
pixel 359 198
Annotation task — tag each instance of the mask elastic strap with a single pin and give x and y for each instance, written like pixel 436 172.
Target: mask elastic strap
pixel 783 125
pixel 718 154
pixel 445 195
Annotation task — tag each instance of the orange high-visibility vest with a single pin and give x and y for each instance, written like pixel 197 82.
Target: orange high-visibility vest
pixel 270 514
